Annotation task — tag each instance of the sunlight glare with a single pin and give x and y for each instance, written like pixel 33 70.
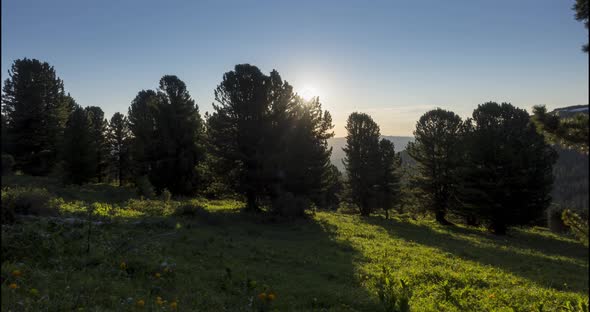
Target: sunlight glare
pixel 307 93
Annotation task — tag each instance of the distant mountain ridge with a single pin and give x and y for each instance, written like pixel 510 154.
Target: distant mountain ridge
pixel 569 111
pixel 399 142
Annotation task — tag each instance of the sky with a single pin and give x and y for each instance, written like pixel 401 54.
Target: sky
pixel 394 60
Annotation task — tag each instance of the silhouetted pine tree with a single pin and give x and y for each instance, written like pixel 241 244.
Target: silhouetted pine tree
pixel 307 163
pixel 119 142
pixel 507 175
pixel 98 130
pixel 436 150
pixel 388 180
pixel 240 132
pixel 36 110
pixel 178 137
pixel 78 153
pixel 142 124
pixel 362 161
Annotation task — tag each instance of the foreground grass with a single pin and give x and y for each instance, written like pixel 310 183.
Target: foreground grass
pixel 220 259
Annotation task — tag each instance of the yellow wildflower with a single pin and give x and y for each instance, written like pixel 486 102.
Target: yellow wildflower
pixel 140 303
pixel 123 266
pixel 492 296
pixel 13 286
pixel 262 296
pixel 159 301
pixel 157 275
pixel 173 305
pixel 16 273
pixel 271 296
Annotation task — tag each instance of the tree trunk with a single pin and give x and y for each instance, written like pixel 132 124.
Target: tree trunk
pixel 251 204
pixel 440 217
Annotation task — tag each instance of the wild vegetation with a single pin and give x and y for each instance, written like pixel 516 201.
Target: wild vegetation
pixel 102 248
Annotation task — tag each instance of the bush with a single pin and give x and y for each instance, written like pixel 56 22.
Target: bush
pixel 289 205
pixel 145 187
pixel 393 297
pixel 554 219
pixel 148 207
pixel 7 164
pixel 166 195
pixel 577 224
pixel 197 211
pixel 27 201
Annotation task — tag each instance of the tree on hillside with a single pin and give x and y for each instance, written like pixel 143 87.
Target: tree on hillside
pixel 240 132
pixel 388 179
pixel 78 153
pixel 119 140
pixel 4 136
pixel 362 160
pixel 570 132
pixel 267 143
pixel 142 124
pixel 306 164
pixel 507 175
pixel 437 152
pixel 36 110
pixel 582 7
pixel 179 138
pixel 98 130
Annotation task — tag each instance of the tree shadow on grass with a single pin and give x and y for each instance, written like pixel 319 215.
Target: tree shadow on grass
pixel 300 259
pixel 506 253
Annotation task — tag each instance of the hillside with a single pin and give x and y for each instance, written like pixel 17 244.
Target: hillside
pixel 569 111
pixel 156 255
pixel 400 143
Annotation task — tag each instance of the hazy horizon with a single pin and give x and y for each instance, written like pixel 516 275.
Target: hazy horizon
pixel 393 61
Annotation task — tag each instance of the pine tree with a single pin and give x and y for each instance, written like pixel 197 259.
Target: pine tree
pixel 98 130
pixel 362 161
pixel 388 180
pixel 142 124
pixel 437 152
pixel 507 175
pixel 307 156
pixel 119 141
pixel 78 154
pixel 36 111
pixel 179 139
pixel 240 133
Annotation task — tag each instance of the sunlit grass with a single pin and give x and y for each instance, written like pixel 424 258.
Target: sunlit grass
pixel 146 256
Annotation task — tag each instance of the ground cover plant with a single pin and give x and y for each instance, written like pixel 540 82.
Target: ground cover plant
pixel 193 254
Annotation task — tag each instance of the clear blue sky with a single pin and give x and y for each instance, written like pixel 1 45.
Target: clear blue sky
pixel 391 59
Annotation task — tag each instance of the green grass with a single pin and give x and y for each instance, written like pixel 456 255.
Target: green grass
pixel 220 259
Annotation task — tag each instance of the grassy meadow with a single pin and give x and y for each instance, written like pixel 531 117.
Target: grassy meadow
pixel 108 250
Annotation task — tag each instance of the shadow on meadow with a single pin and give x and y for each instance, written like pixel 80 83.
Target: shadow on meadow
pixel 503 252
pixel 300 259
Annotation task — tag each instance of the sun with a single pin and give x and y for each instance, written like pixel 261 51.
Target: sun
pixel 307 92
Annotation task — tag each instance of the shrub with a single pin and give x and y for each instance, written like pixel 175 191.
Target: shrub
pixel 197 211
pixel 145 187
pixel 166 195
pixel 27 201
pixel 393 297
pixel 578 226
pixel 554 219
pixel 147 207
pixel 7 164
